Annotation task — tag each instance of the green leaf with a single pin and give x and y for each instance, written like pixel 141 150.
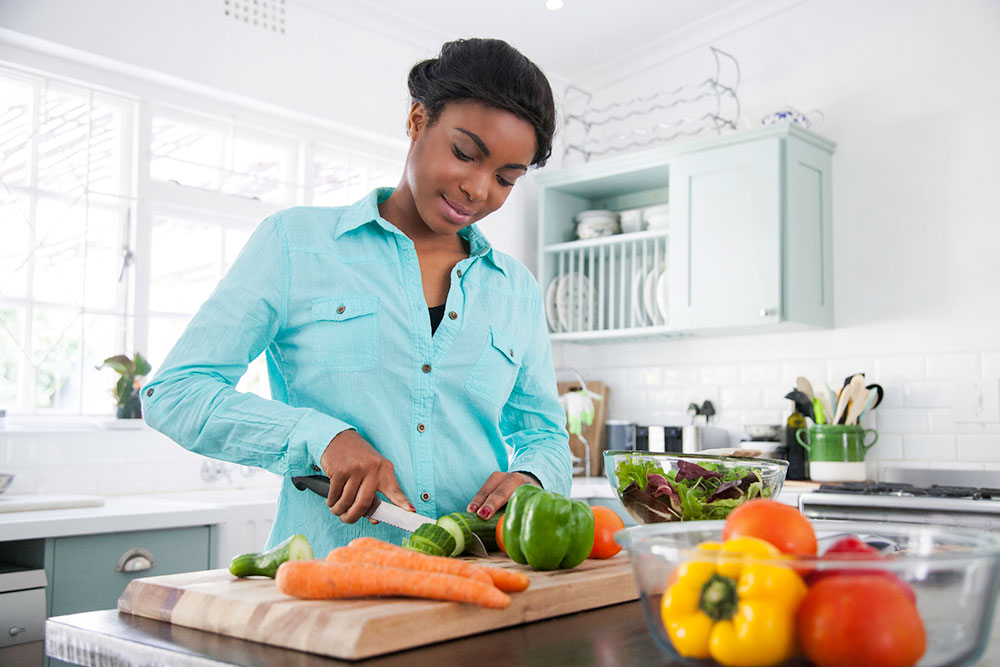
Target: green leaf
pixel 636 470
pixel 120 364
pixel 123 390
pixel 142 366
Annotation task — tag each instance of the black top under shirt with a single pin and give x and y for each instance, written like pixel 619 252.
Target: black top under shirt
pixel 437 314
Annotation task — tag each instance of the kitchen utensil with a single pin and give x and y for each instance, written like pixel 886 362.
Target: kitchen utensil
pixel 770 471
pixel 363 627
pixel 859 403
pixel 381 510
pixel 954 573
pixel 854 391
pixel 820 416
pixel 826 397
pixel 762 431
pixel 805 387
pixel 836 442
pixel 877 388
pixel 870 402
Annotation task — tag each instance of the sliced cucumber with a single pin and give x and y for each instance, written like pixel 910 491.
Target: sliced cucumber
pixel 431 539
pixel 457 525
pixel 266 563
pixel 463 525
pixel 485 529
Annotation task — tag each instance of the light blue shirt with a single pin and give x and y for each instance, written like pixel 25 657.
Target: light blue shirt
pixel 333 297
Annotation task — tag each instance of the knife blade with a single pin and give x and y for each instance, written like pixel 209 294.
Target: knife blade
pixel 382 511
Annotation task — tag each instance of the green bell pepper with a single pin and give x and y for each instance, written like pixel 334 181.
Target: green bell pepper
pixel 546 530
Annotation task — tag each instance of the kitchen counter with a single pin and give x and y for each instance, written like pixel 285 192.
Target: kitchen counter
pixel 118 514
pixel 613 635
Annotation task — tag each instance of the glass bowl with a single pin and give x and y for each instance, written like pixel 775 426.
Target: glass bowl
pixel 657 504
pixel 955 574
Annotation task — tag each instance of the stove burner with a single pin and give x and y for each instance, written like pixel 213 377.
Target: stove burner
pixel 901 489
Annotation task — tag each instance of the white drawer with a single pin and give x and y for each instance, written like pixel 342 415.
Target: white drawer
pixel 22 617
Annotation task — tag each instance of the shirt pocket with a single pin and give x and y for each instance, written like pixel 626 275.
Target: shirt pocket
pixel 493 376
pixel 345 333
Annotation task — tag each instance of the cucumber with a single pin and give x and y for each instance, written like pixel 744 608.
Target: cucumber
pixel 462 525
pixel 431 539
pixel 265 563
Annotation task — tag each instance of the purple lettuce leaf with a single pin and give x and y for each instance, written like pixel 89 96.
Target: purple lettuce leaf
pixel 730 490
pixel 658 502
pixel 692 471
pixel 747 480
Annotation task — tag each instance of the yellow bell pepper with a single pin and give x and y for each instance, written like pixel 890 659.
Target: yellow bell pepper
pixel 737 611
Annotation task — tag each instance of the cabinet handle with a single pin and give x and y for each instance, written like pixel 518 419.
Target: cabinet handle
pixel 768 312
pixel 15 631
pixel 135 560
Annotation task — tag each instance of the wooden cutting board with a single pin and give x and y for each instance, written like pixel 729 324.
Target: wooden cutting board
pixel 593 433
pixel 253 609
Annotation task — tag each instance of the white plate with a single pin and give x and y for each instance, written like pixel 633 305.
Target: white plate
pixel 638 311
pixel 573 295
pixel 551 314
pixel 649 295
pixel 663 296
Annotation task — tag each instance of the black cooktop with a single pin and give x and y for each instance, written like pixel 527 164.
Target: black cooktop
pixel 901 489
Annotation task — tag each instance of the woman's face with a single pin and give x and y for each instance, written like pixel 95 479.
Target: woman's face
pixel 461 168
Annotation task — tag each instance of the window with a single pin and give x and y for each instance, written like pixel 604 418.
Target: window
pixel 104 253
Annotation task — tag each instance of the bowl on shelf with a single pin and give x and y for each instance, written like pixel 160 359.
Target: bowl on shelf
pixel 763 431
pixel 954 574
pixel 659 487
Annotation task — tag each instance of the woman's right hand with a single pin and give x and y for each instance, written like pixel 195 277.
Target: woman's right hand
pixel 356 473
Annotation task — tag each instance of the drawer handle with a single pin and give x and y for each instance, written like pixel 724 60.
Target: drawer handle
pixel 135 560
pixel 15 631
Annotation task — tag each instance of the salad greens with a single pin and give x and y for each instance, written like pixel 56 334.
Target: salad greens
pixel 692 492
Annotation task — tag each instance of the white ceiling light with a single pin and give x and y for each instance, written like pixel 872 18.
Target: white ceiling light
pixel 554 4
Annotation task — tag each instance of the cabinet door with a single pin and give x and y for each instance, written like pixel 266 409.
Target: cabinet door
pixel 84 577
pixel 726 236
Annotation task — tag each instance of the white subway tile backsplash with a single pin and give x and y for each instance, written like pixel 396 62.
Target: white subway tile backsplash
pixel 899 368
pixel 811 370
pixel 937 447
pixel 69 479
pixel 962 366
pixel 125 479
pixel 762 417
pixel 736 398
pixel 940 421
pixel 720 374
pixel 761 374
pixel 991 365
pixel 901 420
pixel 649 377
pixel 978 447
pixel 39 450
pixel 680 376
pixel 927 394
pixel 888 446
pixel 773 397
pixel 92 450
pixel 840 369
pixel 700 394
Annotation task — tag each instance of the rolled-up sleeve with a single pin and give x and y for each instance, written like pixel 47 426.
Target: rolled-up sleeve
pixel 193 398
pixel 532 421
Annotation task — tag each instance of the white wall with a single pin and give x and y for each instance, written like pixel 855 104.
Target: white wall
pixel 910 95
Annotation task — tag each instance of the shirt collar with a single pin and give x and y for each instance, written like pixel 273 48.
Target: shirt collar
pixel 365 211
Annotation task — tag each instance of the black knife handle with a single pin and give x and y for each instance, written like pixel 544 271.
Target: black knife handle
pixel 318 484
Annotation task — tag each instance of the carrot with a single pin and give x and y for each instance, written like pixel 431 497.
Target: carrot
pixel 406 559
pixel 323 580
pixel 506 580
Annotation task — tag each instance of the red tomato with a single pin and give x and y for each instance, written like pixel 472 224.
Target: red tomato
pixel 852 548
pixel 860 620
pixel 606 523
pixel 499 534
pixel 781 525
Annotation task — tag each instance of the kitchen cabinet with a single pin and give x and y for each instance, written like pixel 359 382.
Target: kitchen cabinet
pixel 748 247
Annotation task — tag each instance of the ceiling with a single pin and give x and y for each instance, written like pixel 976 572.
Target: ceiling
pixel 566 44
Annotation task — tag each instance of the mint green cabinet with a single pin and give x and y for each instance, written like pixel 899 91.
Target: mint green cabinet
pixel 748 248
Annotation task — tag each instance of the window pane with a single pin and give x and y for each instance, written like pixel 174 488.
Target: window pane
pixel 11 355
pixel 261 171
pixel 62 146
pixel 185 264
pixel 186 153
pixel 15 132
pixel 55 355
pixel 105 149
pixel 341 178
pixel 15 226
pixel 100 340
pixel 77 256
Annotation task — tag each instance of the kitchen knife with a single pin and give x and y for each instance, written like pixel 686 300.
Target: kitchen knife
pixel 383 511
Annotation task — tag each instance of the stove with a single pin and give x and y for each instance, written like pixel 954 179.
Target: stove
pixel 955 505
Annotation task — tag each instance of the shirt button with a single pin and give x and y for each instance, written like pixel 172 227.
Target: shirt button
pixel 510 352
pixel 421 428
pixel 453 315
pixel 425 496
pixel 340 309
pixel 149 392
pixel 426 368
pixel 459 272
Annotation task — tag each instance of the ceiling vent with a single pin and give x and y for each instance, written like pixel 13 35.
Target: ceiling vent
pixel 267 15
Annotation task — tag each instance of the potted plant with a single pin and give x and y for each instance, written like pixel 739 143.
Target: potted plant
pixel 126 391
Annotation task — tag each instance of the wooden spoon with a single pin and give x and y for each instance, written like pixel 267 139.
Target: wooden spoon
pixel 853 392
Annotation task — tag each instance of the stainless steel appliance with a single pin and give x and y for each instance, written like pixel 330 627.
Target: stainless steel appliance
pixel 22 616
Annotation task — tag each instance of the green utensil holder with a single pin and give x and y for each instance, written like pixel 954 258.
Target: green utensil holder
pixel 836 442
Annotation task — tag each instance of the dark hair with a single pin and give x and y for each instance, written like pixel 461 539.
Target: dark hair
pixel 494 73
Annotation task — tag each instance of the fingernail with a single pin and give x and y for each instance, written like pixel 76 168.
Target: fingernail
pixel 412 508
pixel 485 512
pixel 472 507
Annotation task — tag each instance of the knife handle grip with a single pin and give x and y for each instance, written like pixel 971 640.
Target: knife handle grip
pixel 318 484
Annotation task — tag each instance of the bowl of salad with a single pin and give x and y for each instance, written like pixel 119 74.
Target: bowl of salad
pixel 758 592
pixel 663 487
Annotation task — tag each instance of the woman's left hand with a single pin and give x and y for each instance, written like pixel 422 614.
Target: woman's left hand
pixel 497 490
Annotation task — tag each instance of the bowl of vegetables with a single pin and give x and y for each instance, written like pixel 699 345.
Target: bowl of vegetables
pixel 664 487
pixel 832 593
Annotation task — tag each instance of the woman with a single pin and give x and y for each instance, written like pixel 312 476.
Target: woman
pixel 403 351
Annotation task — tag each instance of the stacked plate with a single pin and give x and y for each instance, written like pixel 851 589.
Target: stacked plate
pixel 657 217
pixel 596 223
pixel 570 303
pixel 649 296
